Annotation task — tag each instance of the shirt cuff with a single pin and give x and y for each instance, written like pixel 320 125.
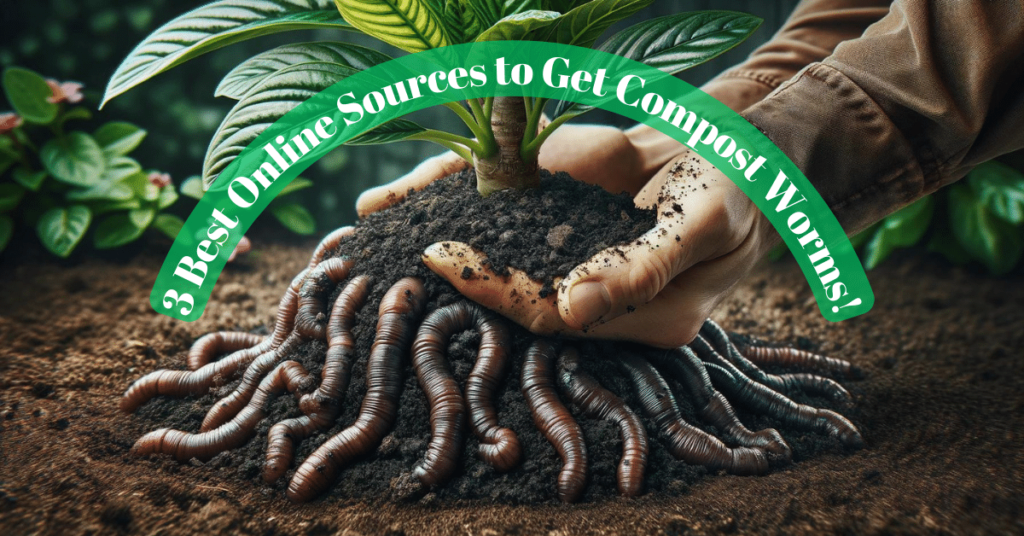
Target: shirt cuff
pixel 847 146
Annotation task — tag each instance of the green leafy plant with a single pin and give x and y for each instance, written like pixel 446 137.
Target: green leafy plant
pixel 980 218
pixel 64 183
pixel 280 79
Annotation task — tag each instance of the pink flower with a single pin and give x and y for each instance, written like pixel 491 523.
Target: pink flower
pixel 243 247
pixel 159 179
pixel 67 91
pixel 9 121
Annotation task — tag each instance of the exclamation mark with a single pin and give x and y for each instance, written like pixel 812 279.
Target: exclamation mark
pixel 854 302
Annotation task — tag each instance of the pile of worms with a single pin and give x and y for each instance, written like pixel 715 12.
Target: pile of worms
pixel 712 371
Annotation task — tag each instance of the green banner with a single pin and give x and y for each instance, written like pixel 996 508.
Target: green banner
pixel 372 97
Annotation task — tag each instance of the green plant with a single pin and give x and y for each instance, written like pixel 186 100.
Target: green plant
pixel 980 218
pixel 672 44
pixel 60 182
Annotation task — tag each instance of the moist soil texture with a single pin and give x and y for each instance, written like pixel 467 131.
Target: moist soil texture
pixel 940 407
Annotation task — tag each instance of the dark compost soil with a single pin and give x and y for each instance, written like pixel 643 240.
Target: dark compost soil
pixel 940 409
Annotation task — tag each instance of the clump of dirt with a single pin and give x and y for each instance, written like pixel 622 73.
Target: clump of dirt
pixel 546 232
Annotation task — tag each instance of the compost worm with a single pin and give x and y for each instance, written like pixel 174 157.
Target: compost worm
pixel 198 382
pixel 715 335
pixel 760 397
pixel 220 342
pixel 800 359
pixel 554 420
pixel 329 244
pixel 311 317
pixel 600 403
pixel 685 441
pixel 682 364
pixel 184 446
pixel 323 405
pixel 400 309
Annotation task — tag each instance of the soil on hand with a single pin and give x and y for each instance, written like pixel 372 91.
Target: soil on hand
pixel 940 409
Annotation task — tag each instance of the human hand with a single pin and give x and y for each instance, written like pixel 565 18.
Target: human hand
pixel 657 290
pixel 605 156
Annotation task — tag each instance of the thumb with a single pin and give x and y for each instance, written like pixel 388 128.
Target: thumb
pixel 621 278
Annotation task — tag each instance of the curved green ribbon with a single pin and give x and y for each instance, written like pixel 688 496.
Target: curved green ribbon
pixel 616 84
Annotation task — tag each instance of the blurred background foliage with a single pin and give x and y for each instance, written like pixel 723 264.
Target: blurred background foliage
pixel 85 40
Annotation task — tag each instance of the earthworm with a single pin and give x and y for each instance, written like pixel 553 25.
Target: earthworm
pixel 400 309
pixel 714 334
pixel 447 406
pixel 600 403
pixel 311 317
pixel 210 345
pixel 686 442
pixel 198 382
pixel 226 408
pixel 329 244
pixel 184 446
pixel 554 420
pixel 816 385
pixel 710 405
pixel 322 406
pixel 725 376
pixel 800 359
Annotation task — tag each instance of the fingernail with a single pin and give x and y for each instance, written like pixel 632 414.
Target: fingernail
pixel 588 302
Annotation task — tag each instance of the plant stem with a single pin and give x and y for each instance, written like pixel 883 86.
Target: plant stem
pixel 531 149
pixel 461 145
pixel 506 167
pixel 474 126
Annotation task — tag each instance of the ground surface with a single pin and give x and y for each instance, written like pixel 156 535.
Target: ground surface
pixel 941 411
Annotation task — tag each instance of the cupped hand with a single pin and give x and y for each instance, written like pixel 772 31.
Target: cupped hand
pixel 657 290
pixel 612 160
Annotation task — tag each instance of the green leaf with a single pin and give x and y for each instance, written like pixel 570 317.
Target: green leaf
pixel 141 187
pixel 167 197
pixel 119 138
pixel 987 237
pixel 277 95
pixel 1000 188
pixel 582 25
pixel 31 180
pixel 675 43
pixel 214 26
pixel 254 70
pixel 519 26
pixel 296 218
pixel 6 230
pixel 60 229
pixel 899 230
pixel 10 196
pixel 75 159
pixel 411 25
pixel 297 184
pixel 193 187
pixel 862 237
pixel 141 217
pixel 120 168
pixel 391 131
pixel 28 92
pixel 104 191
pixel 476 16
pixel 116 230
pixel 169 225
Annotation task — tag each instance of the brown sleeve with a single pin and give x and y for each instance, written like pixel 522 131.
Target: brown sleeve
pixel 928 92
pixel 810 34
